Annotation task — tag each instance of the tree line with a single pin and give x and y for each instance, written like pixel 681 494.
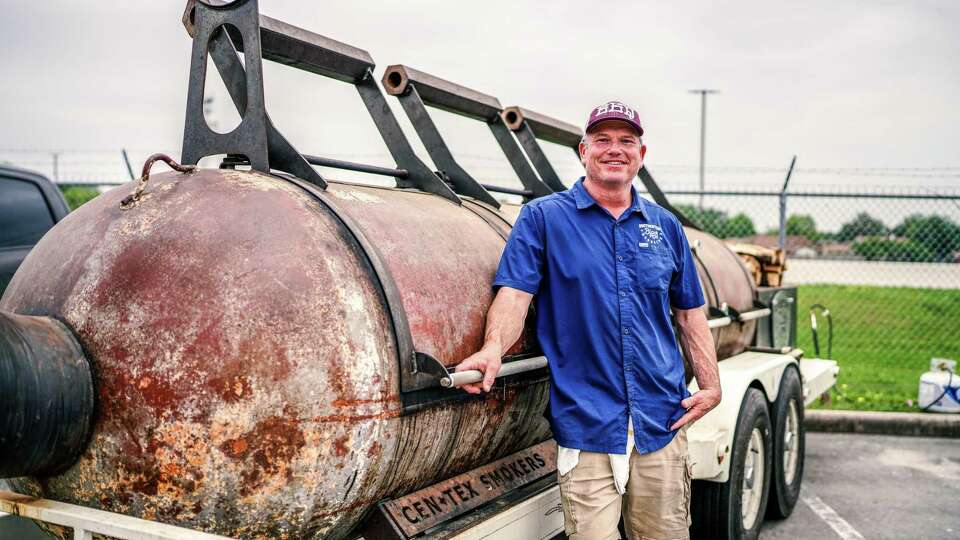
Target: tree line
pixel 918 238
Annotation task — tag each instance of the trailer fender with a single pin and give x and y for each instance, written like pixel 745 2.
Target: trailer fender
pixel 711 437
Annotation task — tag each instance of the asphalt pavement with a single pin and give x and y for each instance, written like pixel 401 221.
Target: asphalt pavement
pixel 875 487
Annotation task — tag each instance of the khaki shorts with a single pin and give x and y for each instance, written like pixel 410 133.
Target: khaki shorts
pixel 656 505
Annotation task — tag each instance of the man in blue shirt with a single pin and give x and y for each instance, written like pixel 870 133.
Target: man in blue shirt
pixel 607 269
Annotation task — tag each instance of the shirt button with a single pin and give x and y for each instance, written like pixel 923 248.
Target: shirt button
pixel 619 257
pixel 626 331
pixel 622 293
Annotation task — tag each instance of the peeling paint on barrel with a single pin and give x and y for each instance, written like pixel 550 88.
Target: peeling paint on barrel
pixel 247 372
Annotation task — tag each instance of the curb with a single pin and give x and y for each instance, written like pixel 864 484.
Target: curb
pixel 884 423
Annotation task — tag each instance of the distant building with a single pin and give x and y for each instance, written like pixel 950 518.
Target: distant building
pixel 805 253
pixel 772 241
pixel 838 250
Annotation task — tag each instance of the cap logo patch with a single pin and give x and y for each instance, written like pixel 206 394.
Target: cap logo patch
pixel 615 107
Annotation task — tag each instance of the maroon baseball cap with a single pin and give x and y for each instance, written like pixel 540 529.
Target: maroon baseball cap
pixel 614 110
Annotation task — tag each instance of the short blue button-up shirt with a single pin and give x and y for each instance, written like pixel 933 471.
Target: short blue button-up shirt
pixel 604 288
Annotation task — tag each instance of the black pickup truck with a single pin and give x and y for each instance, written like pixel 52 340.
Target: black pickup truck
pixel 30 204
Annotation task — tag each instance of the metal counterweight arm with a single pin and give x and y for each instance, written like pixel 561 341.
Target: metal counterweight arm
pixel 416 90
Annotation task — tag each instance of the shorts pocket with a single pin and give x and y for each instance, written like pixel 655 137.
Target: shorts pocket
pixel 569 515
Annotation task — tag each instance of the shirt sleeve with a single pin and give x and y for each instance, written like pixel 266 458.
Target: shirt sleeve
pixel 521 265
pixel 685 289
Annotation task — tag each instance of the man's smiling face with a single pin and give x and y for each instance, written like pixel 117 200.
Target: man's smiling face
pixel 612 153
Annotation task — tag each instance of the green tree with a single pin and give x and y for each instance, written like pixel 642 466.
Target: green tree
pixel 938 234
pixel 861 225
pixel 76 196
pixel 802 225
pixel 739 225
pixel 716 222
pixel 883 249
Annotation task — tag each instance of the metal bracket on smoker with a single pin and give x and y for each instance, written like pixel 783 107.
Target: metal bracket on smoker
pixel 259 37
pixel 462 182
pixel 417 90
pixel 255 138
pixel 530 126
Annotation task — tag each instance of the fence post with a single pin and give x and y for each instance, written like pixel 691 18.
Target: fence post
pixel 783 206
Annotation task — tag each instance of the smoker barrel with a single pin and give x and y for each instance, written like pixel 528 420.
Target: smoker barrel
pixel 48 398
pixel 248 373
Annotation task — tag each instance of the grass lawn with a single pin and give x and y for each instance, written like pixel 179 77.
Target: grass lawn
pixel 884 338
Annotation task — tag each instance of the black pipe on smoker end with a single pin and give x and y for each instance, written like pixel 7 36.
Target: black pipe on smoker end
pixel 512 117
pixel 395 79
pixel 46 396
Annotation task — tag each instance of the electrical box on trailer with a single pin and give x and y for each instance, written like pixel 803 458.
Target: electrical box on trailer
pixel 780 328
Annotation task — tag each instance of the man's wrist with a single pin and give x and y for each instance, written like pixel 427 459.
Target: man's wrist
pixel 492 347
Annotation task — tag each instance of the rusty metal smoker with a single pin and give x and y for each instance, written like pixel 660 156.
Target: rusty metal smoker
pixel 257 353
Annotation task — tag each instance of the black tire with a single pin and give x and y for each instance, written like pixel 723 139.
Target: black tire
pixel 716 508
pixel 784 493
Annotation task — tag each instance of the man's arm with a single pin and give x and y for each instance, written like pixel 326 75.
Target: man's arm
pixel 505 320
pixel 698 343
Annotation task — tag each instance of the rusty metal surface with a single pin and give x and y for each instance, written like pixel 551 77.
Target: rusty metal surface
pixel 246 371
pixel 498 221
pixel 442 259
pixel 724 280
pixel 511 211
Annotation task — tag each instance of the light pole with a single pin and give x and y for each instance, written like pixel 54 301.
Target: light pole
pixel 703 132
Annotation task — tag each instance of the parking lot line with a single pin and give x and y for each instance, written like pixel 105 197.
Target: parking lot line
pixel 828 515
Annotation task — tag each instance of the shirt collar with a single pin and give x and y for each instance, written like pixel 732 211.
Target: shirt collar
pixel 584 200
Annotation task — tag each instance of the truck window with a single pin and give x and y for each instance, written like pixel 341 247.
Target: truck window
pixel 24 214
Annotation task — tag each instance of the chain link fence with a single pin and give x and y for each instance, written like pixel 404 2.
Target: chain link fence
pixel 885 262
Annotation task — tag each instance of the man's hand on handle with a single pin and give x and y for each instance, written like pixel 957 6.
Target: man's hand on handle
pixel 697 405
pixel 504 326
pixel 488 362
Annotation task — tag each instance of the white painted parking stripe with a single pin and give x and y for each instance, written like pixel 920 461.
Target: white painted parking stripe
pixel 839 525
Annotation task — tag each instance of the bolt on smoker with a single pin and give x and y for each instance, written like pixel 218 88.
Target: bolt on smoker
pixel 259 351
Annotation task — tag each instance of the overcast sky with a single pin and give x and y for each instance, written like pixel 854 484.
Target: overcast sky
pixel 841 84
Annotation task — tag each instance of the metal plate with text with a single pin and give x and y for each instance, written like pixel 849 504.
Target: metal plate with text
pixel 431 506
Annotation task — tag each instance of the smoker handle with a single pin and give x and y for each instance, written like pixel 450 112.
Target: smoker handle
pixel 460 378
pixel 720 322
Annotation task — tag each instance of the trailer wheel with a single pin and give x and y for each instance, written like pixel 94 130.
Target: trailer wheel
pixel 735 509
pixel 789 446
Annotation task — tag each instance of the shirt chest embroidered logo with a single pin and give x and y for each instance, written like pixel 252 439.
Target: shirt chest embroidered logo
pixel 651 235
